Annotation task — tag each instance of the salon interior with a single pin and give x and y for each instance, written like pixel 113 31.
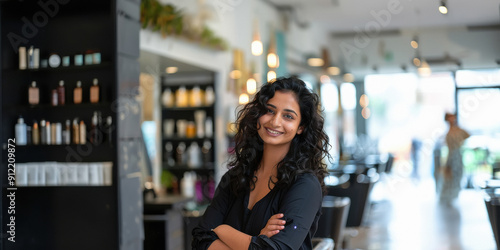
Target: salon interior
pixel 123 116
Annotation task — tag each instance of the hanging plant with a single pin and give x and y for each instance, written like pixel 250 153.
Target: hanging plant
pixel 168 20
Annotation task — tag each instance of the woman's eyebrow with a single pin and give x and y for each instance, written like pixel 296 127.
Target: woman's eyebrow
pixel 287 110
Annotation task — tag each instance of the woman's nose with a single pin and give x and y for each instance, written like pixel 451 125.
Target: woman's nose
pixel 275 121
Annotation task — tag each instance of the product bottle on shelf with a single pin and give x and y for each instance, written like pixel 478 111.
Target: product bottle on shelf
pixel 35 138
pixel 77 93
pixel 22 58
pixel 188 184
pixel 28 135
pixel 209 96
pixel 206 151
pixel 54 98
pixel 76 132
pixel 66 134
pixel 33 94
pixel 195 99
pixel 181 97
pixel 83 132
pixel 61 93
pixel 48 135
pixel 181 153
pixel 109 129
pixel 167 98
pixel 58 136
pixel 43 131
pixel 53 133
pixel 94 130
pixel 194 155
pixel 169 158
pixel 94 91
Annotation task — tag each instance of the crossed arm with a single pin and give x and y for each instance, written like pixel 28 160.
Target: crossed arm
pixel 230 238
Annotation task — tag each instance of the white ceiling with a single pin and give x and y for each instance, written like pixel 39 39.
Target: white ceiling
pixel 344 15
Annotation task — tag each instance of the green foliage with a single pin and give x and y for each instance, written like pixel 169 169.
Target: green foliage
pixel 168 20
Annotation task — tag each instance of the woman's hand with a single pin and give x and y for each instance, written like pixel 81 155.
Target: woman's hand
pixel 273 226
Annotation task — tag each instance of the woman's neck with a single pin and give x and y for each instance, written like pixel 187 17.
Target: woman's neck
pixel 271 156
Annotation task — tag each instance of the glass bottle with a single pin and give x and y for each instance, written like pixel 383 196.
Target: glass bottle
pixel 33 94
pixel 77 93
pixel 61 93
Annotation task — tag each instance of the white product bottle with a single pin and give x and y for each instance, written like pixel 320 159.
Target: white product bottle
pixel 194 155
pixel 187 184
pixel 21 136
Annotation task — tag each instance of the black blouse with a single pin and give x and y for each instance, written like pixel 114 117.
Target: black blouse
pixel 300 204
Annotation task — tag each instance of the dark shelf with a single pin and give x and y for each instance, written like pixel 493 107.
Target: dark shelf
pixel 102 65
pixel 178 109
pixel 17 109
pixel 89 188
pixel 205 167
pixel 185 139
pixel 64 153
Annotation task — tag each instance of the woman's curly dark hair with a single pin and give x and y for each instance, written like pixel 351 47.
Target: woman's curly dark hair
pixel 307 149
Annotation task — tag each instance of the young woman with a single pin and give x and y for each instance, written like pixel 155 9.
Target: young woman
pixel 271 196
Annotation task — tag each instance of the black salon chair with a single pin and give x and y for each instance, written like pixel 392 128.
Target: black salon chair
pixel 333 220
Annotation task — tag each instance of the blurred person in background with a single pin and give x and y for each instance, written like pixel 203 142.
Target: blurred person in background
pixel 452 172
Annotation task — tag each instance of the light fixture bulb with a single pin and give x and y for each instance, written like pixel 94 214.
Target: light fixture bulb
pixel 325 79
pixel 348 77
pixel 235 74
pixel 443 9
pixel 171 70
pixel 424 69
pixel 334 71
pixel 414 44
pixel 271 75
pixel 243 99
pixel 272 60
pixel 257 48
pixel 251 86
pixel 315 62
pixel 416 62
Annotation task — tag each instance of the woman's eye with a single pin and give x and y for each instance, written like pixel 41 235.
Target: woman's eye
pixel 289 116
pixel 270 111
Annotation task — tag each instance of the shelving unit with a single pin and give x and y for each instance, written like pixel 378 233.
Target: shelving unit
pixel 206 169
pixel 80 216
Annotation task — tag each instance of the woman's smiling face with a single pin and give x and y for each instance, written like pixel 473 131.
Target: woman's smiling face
pixel 281 122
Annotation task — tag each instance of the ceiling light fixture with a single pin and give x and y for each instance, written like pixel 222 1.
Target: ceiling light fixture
pixel 171 70
pixel 257 47
pixel 414 42
pixel 424 69
pixel 271 75
pixel 272 57
pixel 315 62
pixel 334 71
pixel 442 8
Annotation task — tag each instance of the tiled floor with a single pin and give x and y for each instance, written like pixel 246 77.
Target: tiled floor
pixel 406 215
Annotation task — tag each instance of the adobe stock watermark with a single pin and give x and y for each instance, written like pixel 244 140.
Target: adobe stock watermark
pixel 371 29
pixel 30 27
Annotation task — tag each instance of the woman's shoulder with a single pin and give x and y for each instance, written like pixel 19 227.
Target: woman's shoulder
pixel 307 180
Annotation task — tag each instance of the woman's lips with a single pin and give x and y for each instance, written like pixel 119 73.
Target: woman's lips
pixel 273 132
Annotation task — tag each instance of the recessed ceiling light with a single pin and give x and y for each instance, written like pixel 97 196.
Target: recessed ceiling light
pixel 171 70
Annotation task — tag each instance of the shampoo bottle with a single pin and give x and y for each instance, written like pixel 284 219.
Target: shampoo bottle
pixel 21 137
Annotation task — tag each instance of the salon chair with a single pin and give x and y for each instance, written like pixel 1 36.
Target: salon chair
pixel 332 222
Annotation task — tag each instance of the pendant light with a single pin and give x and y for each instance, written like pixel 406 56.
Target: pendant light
pixel 272 57
pixel 257 47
